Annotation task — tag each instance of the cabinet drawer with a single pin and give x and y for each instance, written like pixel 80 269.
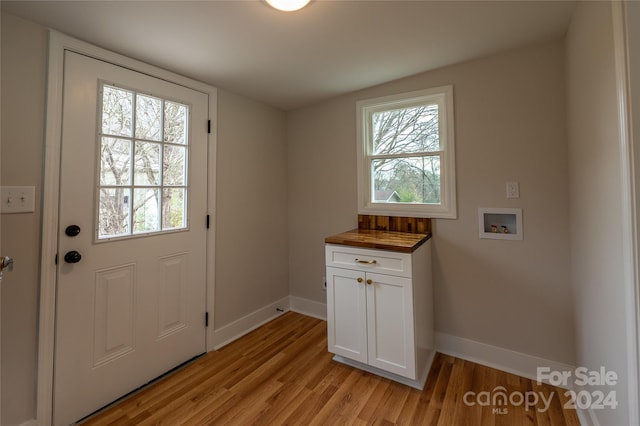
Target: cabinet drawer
pixel 379 261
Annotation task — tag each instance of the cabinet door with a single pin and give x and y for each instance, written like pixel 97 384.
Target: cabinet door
pixel 390 324
pixel 347 314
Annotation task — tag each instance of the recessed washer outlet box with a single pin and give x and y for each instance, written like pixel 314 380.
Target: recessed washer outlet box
pixel 500 224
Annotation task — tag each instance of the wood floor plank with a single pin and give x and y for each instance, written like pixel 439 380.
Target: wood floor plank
pixel 488 416
pixel 542 415
pixel 464 413
pixel 282 405
pixel 388 409
pixel 452 396
pixel 282 374
pixel 338 400
pixel 409 408
pixel 366 414
pixel 311 405
pixel 436 393
pixel 564 399
pixel 354 400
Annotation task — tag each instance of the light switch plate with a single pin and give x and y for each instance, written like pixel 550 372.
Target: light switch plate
pixel 513 190
pixel 17 199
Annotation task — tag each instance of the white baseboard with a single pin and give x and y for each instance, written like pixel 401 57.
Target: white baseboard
pixel 493 356
pixel 308 307
pixel 228 333
pixel 32 422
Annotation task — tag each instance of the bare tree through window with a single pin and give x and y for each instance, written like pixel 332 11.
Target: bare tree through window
pixel 143 164
pixel 406 153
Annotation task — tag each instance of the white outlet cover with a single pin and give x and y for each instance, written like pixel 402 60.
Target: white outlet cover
pixel 513 190
pixel 17 199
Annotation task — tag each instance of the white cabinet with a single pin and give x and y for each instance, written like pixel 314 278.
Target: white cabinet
pixel 380 310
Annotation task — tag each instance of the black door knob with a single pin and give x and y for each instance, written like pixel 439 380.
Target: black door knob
pixel 72 257
pixel 72 230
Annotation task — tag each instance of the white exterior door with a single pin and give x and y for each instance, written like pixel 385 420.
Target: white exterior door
pixel 132 234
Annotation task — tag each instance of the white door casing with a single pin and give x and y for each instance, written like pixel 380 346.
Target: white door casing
pixel 132 308
pixel 626 16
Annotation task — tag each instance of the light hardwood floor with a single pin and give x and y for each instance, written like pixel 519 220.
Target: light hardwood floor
pixel 282 374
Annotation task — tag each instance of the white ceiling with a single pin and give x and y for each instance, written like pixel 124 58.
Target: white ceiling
pixel 293 59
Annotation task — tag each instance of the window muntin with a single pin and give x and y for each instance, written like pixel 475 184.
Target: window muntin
pixel 143 175
pixel 406 154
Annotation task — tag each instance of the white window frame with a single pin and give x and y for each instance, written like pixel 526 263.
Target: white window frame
pixel 443 97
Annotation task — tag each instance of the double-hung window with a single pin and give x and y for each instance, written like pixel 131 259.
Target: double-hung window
pixel 406 157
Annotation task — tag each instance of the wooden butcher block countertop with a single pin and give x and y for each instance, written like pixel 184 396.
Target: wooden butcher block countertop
pixel 384 240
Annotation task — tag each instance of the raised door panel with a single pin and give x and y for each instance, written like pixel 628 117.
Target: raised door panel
pixel 172 294
pixel 113 323
pixel 346 314
pixel 390 324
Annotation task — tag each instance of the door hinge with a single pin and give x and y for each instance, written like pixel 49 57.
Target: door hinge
pixel 207 221
pixel 209 126
pixel 206 319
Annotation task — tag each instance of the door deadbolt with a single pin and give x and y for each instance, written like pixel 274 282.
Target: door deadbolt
pixel 72 230
pixel 72 257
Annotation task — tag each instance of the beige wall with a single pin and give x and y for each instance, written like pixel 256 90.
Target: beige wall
pixel 23 95
pixel 251 223
pixel 596 200
pixel 509 125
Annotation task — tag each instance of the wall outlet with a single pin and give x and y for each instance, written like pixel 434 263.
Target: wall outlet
pixel 17 199
pixel 513 190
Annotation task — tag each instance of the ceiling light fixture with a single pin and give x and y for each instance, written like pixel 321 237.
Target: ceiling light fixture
pixel 288 5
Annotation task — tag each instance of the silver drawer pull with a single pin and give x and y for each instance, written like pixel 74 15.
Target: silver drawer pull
pixel 367 262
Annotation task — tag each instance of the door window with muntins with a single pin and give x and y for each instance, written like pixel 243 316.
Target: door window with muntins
pixel 143 174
